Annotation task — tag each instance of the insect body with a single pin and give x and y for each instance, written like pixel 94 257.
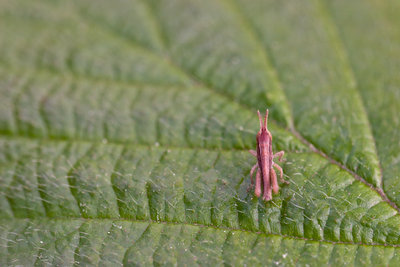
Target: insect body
pixel 265 174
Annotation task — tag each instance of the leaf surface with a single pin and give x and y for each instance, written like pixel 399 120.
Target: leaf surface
pixel 124 130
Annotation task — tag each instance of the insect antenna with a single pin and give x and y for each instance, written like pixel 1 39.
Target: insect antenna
pixel 266 119
pixel 263 125
pixel 260 118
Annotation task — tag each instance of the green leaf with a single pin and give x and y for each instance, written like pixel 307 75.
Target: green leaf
pixel 125 128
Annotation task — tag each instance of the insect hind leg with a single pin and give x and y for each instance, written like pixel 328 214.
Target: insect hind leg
pixel 257 190
pixel 267 194
pixel 281 173
pixel 253 169
pixel 274 182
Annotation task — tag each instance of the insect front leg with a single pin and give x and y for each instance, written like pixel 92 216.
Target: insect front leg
pixel 253 152
pixel 274 182
pixel 279 154
pixel 280 170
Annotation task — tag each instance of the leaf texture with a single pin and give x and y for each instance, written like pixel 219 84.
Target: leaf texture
pixel 124 130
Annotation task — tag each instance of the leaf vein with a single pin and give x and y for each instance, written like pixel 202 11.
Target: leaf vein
pixel 333 28
pixel 309 143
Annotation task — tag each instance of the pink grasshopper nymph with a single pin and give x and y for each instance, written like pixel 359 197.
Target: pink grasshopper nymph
pixel 265 162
